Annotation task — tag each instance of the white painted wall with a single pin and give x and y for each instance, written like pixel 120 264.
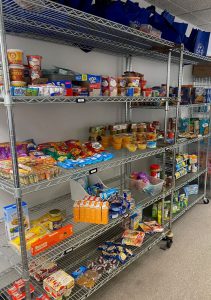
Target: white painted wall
pixel 59 122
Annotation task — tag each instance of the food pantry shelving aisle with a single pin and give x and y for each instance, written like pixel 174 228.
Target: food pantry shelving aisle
pixel 105 36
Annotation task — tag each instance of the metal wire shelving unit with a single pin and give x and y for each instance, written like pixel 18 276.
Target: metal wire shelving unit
pixel 48 21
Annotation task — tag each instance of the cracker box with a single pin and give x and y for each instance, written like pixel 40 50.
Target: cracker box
pixel 11 219
pixel 59 284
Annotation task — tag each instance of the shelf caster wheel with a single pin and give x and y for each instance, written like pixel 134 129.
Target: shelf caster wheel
pixel 169 243
pixel 206 201
pixel 168 239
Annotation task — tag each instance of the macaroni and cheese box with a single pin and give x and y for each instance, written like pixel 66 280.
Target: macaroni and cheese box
pixel 11 219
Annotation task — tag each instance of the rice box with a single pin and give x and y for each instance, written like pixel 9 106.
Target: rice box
pixel 11 219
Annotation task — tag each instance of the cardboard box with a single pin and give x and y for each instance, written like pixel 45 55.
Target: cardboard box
pixel 89 81
pixel 51 239
pixel 202 70
pixel 11 219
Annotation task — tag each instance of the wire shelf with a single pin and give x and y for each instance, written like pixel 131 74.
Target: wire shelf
pixel 180 183
pixel 83 232
pixel 80 292
pixel 50 21
pixel 182 106
pixel 122 157
pixel 80 100
pixel 192 200
pixel 82 258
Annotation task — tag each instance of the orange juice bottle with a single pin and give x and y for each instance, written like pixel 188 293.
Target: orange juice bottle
pixel 105 212
pixel 87 211
pixel 98 210
pixel 82 211
pixel 76 211
pixel 92 212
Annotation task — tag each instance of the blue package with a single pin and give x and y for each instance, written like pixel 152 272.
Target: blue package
pixel 89 77
pixel 116 207
pixel 80 271
pixel 18 91
pixel 64 165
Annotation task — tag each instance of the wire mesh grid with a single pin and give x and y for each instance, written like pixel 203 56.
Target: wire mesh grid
pixel 71 100
pixel 90 253
pixel 83 232
pixel 121 157
pixel 188 178
pixel 51 21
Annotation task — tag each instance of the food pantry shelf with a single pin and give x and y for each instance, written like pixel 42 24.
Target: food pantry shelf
pixel 192 200
pixel 71 100
pixel 83 232
pixel 121 157
pixel 80 293
pixel 50 21
pixel 180 183
pixel 182 106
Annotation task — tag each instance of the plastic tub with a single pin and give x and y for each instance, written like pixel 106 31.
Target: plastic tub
pixel 15 56
pixel 154 188
pixel 16 72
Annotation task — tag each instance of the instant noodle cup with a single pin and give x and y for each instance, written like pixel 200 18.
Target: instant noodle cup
pixel 133 81
pixel 121 82
pixel 34 62
pixel 16 72
pixel 18 83
pixel 121 92
pixel 15 56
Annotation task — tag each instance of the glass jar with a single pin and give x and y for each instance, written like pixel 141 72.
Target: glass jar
pixel 55 219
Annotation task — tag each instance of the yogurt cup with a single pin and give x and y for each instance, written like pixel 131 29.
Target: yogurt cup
pixel 15 56
pixel 16 72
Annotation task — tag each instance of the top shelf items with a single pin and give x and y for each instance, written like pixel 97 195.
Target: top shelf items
pixel 47 20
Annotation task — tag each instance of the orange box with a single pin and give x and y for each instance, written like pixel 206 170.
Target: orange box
pixel 51 239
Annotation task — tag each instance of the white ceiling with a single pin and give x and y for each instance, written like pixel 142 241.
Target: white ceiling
pixel 196 12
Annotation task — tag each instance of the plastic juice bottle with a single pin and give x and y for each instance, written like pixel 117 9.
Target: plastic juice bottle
pixel 98 212
pixel 82 211
pixel 105 212
pixel 86 211
pixel 92 212
pixel 76 211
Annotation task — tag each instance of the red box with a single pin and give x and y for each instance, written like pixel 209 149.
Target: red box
pixel 51 239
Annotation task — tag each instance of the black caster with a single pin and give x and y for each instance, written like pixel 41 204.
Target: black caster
pixel 206 201
pixel 169 243
pixel 168 239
